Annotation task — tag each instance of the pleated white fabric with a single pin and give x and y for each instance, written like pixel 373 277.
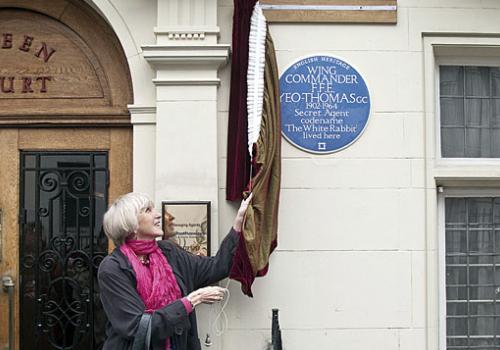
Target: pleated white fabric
pixel 255 74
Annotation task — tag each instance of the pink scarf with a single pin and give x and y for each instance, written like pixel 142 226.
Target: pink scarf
pixel 156 283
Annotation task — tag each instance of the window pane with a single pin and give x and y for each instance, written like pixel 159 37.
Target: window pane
pixel 481 326
pixel 481 241
pixel 456 293
pixel 456 275
pixel 477 112
pixel 482 309
pixel 481 293
pixel 496 211
pixel 472 276
pixel 483 342
pixel 453 142
pixel 495 113
pixel 451 80
pixel 495 81
pixel 477 81
pixel 456 326
pixel 456 242
pixel 455 211
pixel 477 143
pixel 454 308
pixel 481 275
pixel 452 112
pixel 477 108
pixel 458 341
pixel 495 143
pixel 480 211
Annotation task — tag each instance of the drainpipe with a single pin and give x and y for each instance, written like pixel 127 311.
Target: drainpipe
pixel 8 287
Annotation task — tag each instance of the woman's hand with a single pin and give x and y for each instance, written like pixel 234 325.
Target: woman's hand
pixel 207 295
pixel 238 220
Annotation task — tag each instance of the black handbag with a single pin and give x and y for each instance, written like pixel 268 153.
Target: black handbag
pixel 142 338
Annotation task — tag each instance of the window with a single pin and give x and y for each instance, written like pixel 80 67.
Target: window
pixel 470 111
pixel 472 259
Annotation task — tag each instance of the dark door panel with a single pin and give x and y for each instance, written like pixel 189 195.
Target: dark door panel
pixel 63 198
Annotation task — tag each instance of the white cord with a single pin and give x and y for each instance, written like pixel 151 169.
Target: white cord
pixel 214 327
pixel 217 329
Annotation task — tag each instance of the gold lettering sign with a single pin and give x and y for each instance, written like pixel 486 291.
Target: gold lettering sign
pixel 40 59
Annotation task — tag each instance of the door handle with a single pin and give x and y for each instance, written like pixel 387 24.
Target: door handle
pixel 8 287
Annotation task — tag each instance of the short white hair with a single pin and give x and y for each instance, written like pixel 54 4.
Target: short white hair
pixel 121 219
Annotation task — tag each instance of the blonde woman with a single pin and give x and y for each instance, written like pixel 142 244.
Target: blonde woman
pixel 144 276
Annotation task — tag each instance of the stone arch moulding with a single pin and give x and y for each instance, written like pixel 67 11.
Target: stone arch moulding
pixel 61 65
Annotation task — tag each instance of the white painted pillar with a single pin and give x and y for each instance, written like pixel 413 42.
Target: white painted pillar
pixel 186 58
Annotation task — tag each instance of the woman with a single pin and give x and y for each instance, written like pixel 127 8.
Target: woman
pixel 144 275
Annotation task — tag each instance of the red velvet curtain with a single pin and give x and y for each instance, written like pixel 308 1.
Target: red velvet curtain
pixel 238 159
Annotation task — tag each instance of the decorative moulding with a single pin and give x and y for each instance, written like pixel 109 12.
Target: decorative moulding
pixel 158 55
pixel 180 82
pixel 142 115
pixel 187 33
pixel 136 109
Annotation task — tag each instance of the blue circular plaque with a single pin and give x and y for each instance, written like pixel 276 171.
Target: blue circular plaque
pixel 325 104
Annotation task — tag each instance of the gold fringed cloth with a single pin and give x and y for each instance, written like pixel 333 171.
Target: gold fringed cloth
pixel 259 236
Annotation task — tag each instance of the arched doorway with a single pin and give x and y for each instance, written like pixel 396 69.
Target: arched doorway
pixel 66 151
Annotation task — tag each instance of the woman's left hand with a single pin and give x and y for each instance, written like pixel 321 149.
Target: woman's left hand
pixel 240 216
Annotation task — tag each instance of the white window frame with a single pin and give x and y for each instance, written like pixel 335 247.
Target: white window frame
pixel 443 194
pixel 459 61
pixel 459 177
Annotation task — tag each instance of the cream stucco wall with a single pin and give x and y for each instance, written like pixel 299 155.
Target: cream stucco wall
pixel 357 261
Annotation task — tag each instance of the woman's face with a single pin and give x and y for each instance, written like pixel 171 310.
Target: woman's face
pixel 149 224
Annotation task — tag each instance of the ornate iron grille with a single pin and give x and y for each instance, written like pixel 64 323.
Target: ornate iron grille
pixel 63 198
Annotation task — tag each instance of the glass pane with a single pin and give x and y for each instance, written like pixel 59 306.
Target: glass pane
pixel 496 211
pixel 481 275
pixel 456 275
pixel 480 211
pixel 457 309
pixel 481 326
pixel 451 80
pixel 495 81
pixel 459 341
pixel 455 211
pixel 495 113
pixel 456 326
pixel 477 143
pixel 482 309
pixel 486 340
pixel 452 112
pixel 456 242
pixel 453 142
pixel 64 160
pixel 100 161
pixel 477 81
pixel 30 161
pixel 456 259
pixel 480 242
pixel 477 112
pixel 495 143
pixel 481 293
pixel 59 210
pixel 456 293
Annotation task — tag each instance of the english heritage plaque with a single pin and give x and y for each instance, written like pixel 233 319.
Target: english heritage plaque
pixel 325 104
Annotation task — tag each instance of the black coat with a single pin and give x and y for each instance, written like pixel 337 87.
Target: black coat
pixel 124 307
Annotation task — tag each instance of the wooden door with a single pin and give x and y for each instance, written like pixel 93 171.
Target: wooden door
pixel 48 313
pixel 64 90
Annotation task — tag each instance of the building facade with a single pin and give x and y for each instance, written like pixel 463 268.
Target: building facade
pixel 390 243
